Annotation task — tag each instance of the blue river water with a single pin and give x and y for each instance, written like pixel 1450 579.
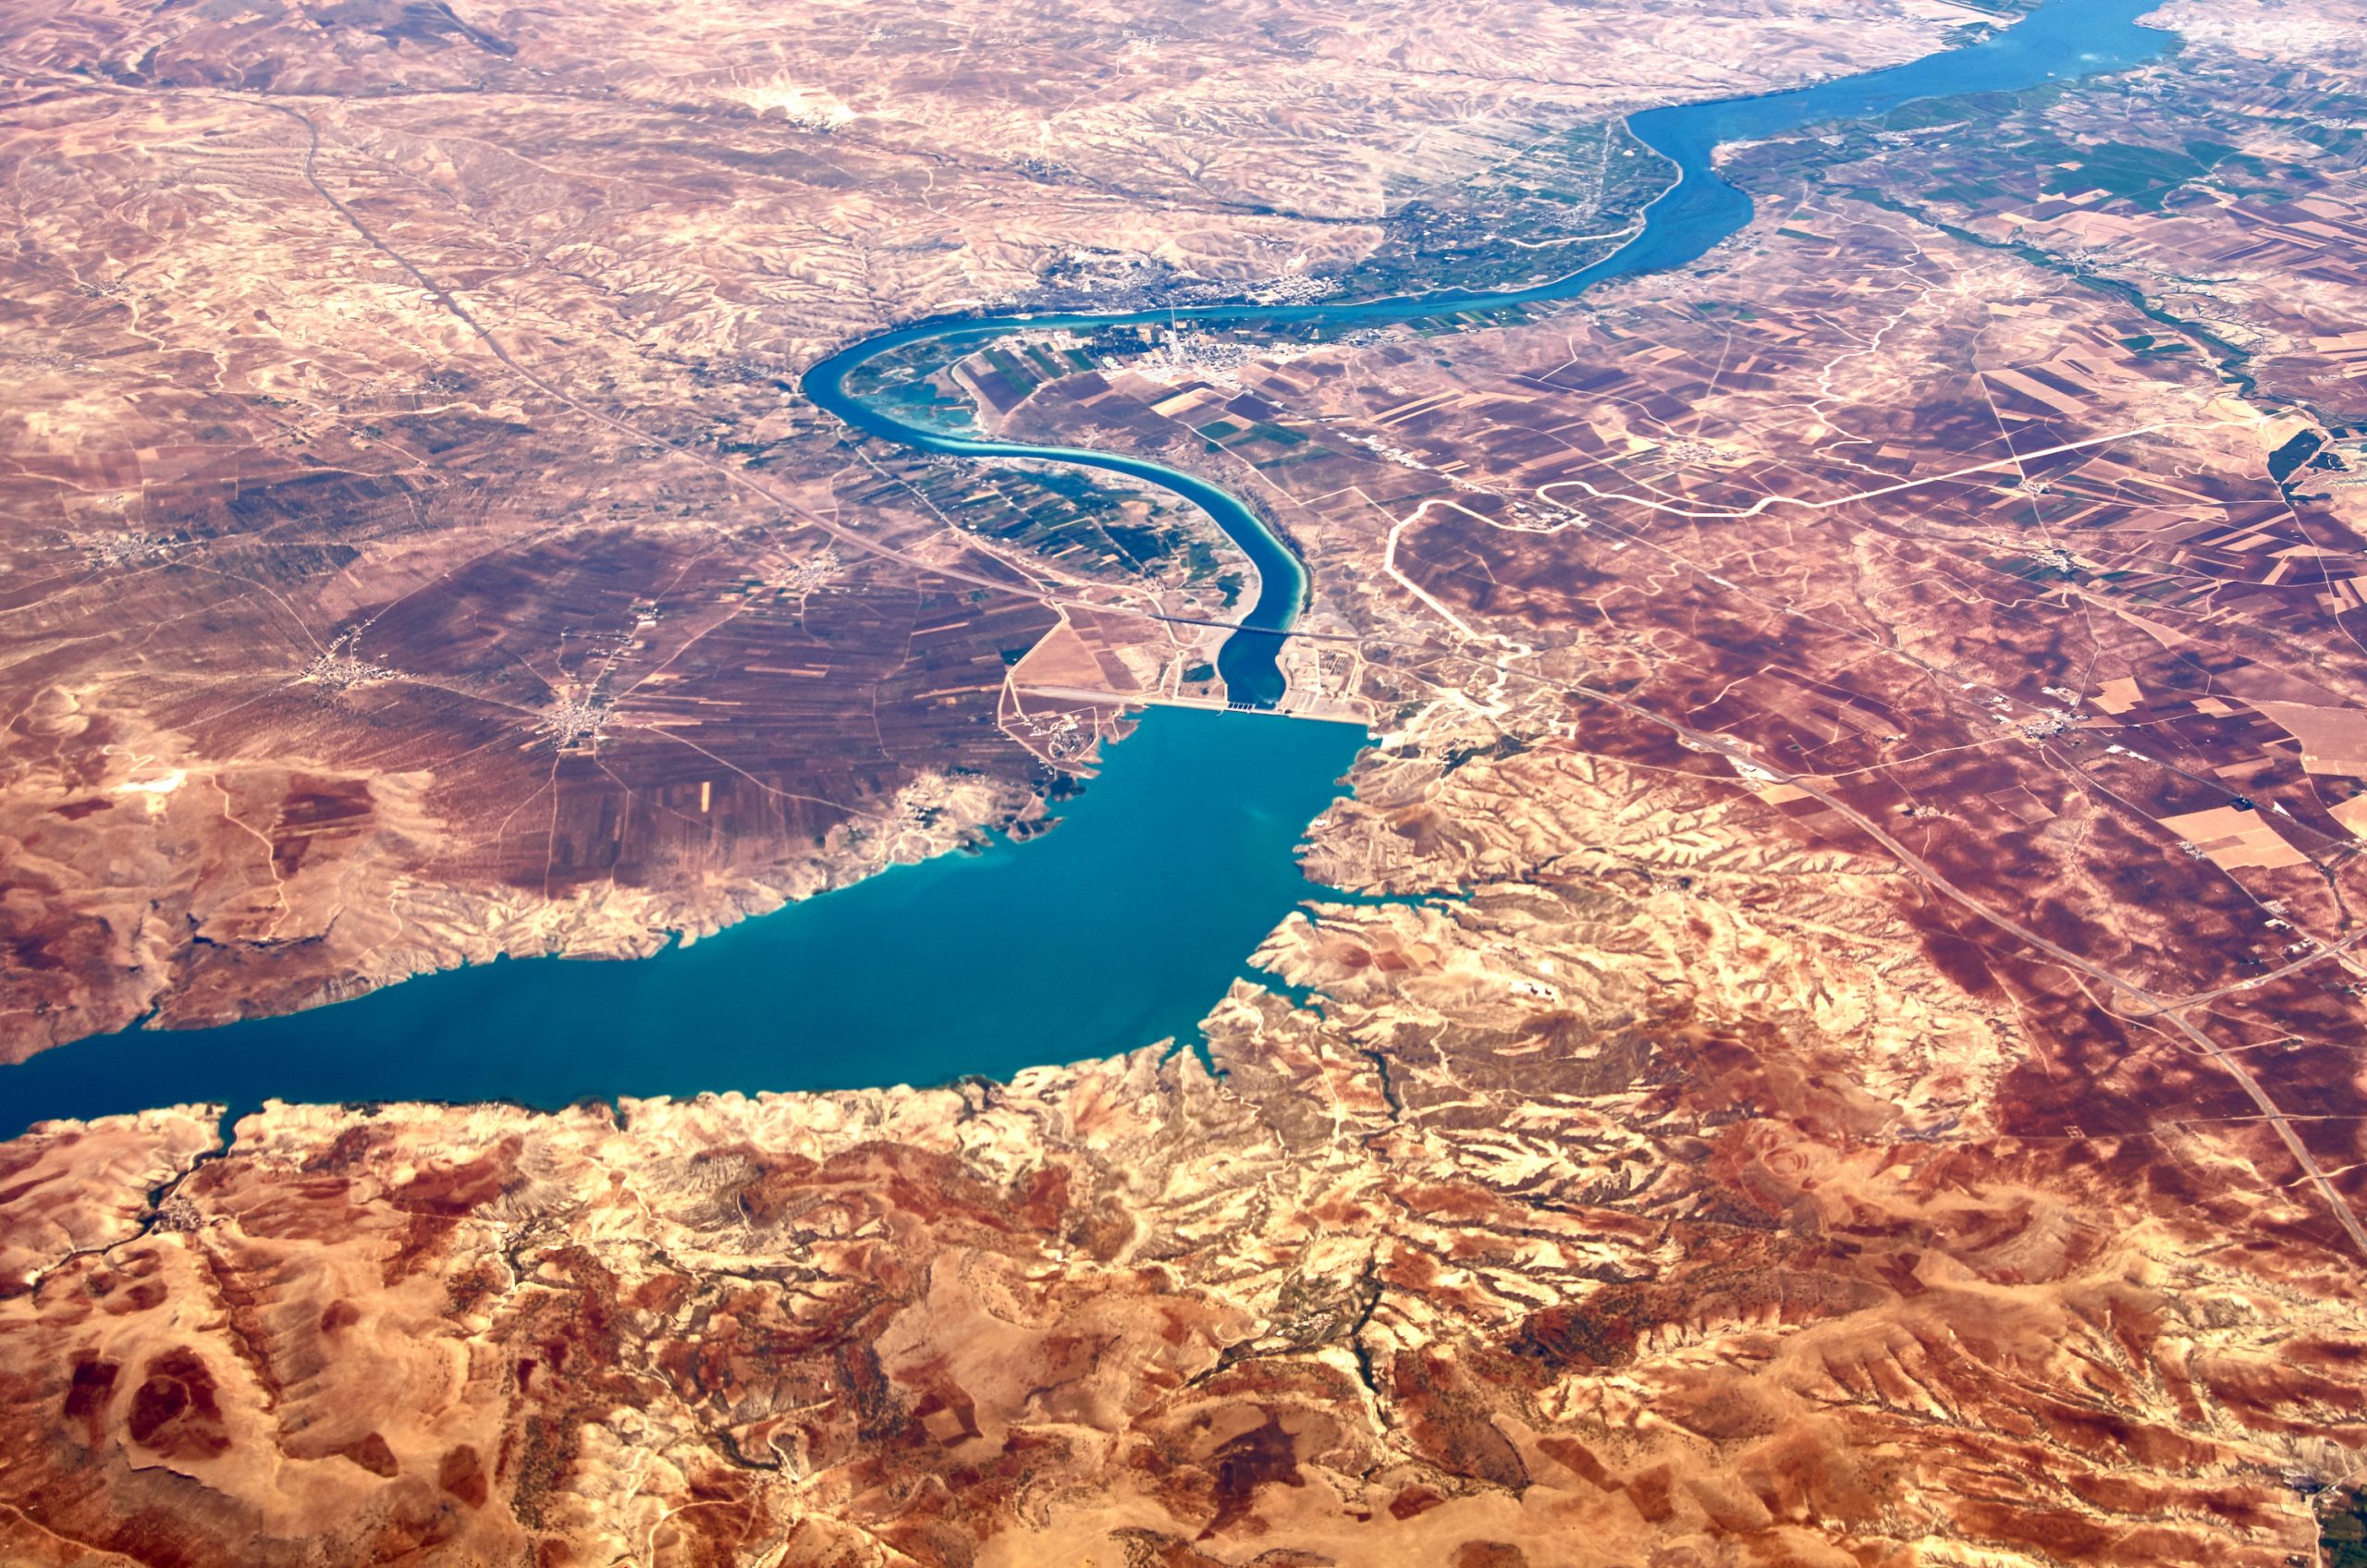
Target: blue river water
pixel 2061 39
pixel 1120 927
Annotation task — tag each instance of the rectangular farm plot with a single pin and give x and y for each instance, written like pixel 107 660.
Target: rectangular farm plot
pixel 2332 739
pixel 2233 839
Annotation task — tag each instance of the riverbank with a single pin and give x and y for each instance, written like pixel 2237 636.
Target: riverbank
pixel 1685 223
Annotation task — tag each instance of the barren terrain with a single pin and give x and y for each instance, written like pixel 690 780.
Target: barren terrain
pixel 1863 1064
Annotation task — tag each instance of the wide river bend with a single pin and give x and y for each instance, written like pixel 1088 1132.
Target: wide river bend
pixel 2061 37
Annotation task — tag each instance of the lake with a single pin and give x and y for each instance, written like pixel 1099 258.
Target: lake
pixel 1122 926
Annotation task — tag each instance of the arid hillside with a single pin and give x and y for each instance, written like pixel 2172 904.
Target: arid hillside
pixel 1845 1048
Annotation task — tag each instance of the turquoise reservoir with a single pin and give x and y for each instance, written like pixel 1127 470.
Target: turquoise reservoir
pixel 1122 926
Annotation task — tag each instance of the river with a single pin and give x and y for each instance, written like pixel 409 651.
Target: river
pixel 2066 38
pixel 1120 927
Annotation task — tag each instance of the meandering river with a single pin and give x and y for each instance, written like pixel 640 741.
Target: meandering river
pixel 1121 927
pixel 2061 37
